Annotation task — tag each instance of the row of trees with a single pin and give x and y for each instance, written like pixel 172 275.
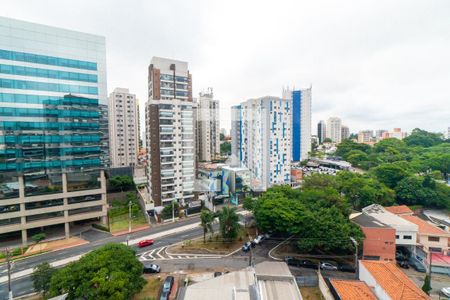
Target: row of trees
pixel 317 218
pixel 228 220
pixel 411 171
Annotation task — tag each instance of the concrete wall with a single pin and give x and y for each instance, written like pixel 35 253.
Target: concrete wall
pixel 379 242
pixel 324 288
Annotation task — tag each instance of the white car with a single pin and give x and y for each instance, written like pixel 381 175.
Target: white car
pixel 258 239
pixel 446 291
pixel 328 266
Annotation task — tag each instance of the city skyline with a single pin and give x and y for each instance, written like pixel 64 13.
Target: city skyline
pixel 372 73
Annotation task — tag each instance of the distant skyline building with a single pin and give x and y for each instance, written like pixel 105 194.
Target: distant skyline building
pixel 345 132
pixel 263 128
pixel 379 133
pixel 321 131
pixel 53 127
pixel 124 128
pixel 170 132
pixel 208 122
pixel 301 122
pixel 365 136
pixel 334 129
pixel 236 135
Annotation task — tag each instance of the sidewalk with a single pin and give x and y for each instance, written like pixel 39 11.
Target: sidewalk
pixel 55 245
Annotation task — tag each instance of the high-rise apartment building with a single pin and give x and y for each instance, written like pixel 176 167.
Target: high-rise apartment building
pixel 208 126
pixel 265 140
pixel 321 131
pixel 334 129
pixel 379 133
pixel 345 132
pixel 236 140
pixel 301 122
pixel 53 106
pixel 124 128
pixel 170 132
pixel 365 136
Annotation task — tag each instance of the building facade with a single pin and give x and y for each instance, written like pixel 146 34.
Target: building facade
pixel 236 133
pixel 52 90
pixel 265 140
pixel 170 132
pixel 301 122
pixel 365 136
pixel 334 129
pixel 345 132
pixel 321 131
pixel 124 128
pixel 208 127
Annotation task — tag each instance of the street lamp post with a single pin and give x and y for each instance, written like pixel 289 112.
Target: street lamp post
pixel 8 260
pixel 355 243
pixel 129 221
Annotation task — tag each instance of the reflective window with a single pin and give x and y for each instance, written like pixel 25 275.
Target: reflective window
pixel 35 72
pixel 45 86
pixel 47 60
pixel 41 183
pixel 83 181
pixel 9 186
pixel 50 100
pixel 10 221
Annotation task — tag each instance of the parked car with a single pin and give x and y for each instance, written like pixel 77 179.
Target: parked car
pixel 167 285
pixel 327 266
pixel 246 247
pixel 151 268
pixel 164 296
pixel 303 263
pixel 403 264
pixel 259 239
pixel 346 268
pixel 267 235
pixel 217 274
pixel 145 243
pixel 417 265
pixel 446 291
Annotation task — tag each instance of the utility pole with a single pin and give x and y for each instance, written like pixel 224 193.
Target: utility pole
pixel 355 243
pixel 129 221
pixel 8 261
pixel 173 211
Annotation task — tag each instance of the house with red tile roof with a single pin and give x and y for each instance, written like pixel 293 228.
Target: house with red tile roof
pixel 432 238
pixel 388 282
pixel 401 210
pixel 351 290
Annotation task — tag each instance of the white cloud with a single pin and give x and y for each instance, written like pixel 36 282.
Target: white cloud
pixel 376 64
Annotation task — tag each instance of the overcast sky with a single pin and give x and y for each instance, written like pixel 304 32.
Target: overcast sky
pixel 376 64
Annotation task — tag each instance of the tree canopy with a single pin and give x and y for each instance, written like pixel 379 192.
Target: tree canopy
pixel 110 272
pixel 229 226
pixel 319 221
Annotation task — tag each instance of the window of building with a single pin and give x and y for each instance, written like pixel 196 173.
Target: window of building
pixel 433 239
pixel 407 237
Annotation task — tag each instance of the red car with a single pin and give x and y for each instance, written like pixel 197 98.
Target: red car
pixel 145 243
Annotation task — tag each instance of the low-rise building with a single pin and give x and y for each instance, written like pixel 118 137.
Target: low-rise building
pixel 405 231
pixel 351 290
pixel 267 280
pixel 401 210
pixel 388 282
pixel 432 238
pixel 379 241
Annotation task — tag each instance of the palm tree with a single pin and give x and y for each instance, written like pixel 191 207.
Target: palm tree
pixel 206 219
pixel 229 225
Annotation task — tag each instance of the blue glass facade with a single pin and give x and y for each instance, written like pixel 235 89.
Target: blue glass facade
pixel 58 132
pixel 296 125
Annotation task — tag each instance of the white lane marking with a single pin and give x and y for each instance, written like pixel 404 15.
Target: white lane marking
pixel 158 253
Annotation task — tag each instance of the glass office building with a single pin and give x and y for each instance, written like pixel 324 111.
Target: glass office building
pixel 52 127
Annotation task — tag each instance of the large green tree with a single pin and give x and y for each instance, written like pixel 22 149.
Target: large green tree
pixel 41 277
pixel 423 138
pixel 229 226
pixel 389 174
pixel 110 272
